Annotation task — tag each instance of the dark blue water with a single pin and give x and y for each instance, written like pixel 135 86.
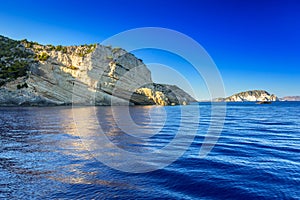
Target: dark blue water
pixel 257 156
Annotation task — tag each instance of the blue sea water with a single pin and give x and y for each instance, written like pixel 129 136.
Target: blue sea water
pixel 256 157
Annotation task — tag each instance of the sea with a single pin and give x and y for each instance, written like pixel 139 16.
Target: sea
pixel 48 153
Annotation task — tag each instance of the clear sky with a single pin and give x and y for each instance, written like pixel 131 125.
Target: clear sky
pixel 254 43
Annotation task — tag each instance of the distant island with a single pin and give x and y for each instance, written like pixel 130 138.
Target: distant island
pixel 251 95
pixel 35 75
pixel 255 96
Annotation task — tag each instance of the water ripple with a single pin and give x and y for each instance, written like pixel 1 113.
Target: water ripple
pixel 256 157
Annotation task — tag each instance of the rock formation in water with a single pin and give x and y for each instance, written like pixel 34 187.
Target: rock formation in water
pixel 253 95
pixel 290 98
pixel 34 74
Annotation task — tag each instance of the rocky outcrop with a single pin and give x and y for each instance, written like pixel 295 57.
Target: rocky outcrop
pixel 290 98
pixel 162 94
pixel 253 95
pixel 85 75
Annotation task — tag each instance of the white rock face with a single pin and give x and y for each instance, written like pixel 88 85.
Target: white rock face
pixel 253 95
pixel 96 75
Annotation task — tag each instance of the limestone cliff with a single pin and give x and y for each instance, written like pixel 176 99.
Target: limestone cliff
pixel 253 95
pixel 34 74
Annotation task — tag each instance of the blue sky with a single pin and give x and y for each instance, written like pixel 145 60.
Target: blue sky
pixel 255 44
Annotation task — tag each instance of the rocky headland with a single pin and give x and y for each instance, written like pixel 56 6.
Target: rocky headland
pixel 36 75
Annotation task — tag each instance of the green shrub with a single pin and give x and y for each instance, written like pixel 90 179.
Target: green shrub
pixel 50 47
pixel 116 49
pixel 90 50
pixel 15 61
pixel 80 54
pixel 43 57
pixel 64 49
pixel 28 45
pixel 84 50
pixel 73 67
pixel 58 48
pixel 109 57
pixel 15 70
pixel 22 86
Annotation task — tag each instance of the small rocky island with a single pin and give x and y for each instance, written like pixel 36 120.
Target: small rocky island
pixel 36 75
pixel 251 95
